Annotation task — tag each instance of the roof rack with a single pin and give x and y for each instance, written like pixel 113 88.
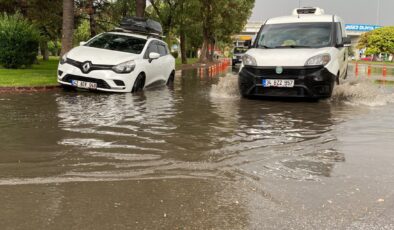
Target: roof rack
pixel 149 35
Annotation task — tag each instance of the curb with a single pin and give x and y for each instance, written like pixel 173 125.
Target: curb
pixel 24 89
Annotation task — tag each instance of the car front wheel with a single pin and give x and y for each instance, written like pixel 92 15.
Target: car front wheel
pixel 138 84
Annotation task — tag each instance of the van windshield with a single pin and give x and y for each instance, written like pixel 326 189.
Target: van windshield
pixel 295 35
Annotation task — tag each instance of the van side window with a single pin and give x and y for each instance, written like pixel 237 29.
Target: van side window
pixel 151 48
pixel 339 39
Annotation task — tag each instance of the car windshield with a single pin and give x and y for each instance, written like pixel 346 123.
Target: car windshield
pixel 295 35
pixel 240 50
pixel 118 42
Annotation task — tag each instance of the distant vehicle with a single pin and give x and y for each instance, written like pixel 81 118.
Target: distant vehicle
pixel 125 60
pixel 302 55
pixel 238 53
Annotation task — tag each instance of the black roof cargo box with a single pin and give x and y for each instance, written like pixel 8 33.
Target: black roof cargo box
pixel 141 25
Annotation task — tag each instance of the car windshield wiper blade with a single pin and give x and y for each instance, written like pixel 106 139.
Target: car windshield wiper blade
pixel 292 46
pixel 266 47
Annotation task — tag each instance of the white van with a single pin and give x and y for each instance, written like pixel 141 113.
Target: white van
pixel 302 55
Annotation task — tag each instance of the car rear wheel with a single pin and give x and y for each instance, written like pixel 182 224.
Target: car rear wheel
pixel 138 84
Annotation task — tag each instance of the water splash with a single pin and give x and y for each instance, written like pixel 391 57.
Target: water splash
pixel 226 88
pixel 362 92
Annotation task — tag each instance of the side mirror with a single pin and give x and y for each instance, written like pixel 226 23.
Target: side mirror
pixel 153 56
pixel 82 43
pixel 248 44
pixel 347 42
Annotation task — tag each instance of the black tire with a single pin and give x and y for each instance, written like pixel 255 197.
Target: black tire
pixel 171 79
pixel 67 87
pixel 138 84
pixel 337 80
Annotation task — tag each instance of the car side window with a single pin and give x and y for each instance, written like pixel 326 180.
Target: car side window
pixel 151 48
pixel 339 33
pixel 162 49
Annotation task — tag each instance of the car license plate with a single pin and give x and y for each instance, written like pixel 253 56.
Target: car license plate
pixel 278 83
pixel 84 84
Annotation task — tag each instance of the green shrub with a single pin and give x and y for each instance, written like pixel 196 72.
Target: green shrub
pixel 18 41
pixel 175 54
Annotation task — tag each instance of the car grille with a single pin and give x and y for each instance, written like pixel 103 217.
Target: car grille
pixel 100 83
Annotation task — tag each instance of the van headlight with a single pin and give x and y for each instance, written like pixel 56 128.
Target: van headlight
pixel 125 67
pixel 249 60
pixel 63 59
pixel 321 59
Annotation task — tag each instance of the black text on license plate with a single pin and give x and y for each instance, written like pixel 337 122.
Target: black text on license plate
pixel 84 84
pixel 278 83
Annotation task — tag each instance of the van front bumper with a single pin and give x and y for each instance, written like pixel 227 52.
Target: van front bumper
pixel 309 82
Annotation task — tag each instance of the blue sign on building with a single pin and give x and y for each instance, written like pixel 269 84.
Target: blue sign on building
pixel 361 28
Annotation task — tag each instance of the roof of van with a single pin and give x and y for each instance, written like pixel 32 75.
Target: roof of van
pixel 303 18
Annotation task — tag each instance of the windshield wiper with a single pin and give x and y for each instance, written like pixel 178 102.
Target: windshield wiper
pixel 266 47
pixel 292 46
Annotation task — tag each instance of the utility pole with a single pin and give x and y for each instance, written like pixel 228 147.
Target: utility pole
pixel 299 3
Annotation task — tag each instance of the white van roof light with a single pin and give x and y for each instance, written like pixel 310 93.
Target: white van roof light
pixel 308 10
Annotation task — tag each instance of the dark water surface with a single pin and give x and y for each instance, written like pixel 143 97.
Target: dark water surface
pixel 197 156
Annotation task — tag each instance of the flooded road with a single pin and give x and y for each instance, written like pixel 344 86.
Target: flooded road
pixel 197 156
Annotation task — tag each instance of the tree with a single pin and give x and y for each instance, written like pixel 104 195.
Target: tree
pixel 68 26
pixel 217 25
pixel 378 41
pixel 140 8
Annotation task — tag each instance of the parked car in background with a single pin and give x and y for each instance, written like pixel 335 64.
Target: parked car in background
pixel 238 53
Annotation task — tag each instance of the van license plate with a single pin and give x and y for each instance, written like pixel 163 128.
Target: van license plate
pixel 278 83
pixel 84 84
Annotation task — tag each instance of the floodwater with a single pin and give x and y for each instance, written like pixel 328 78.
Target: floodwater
pixel 197 156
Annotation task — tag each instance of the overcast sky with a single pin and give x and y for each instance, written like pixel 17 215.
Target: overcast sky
pixel 352 11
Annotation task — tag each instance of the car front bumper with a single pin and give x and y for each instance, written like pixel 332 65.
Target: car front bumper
pixel 309 82
pixel 106 80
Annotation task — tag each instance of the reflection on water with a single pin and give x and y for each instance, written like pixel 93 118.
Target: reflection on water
pixel 199 128
pixel 193 145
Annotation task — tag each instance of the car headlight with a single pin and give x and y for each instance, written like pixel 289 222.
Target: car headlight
pixel 321 59
pixel 249 60
pixel 125 67
pixel 63 59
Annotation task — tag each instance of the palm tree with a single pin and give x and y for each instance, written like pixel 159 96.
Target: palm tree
pixel 140 8
pixel 68 26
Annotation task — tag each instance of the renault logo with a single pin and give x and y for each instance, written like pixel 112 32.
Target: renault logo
pixel 86 67
pixel 279 70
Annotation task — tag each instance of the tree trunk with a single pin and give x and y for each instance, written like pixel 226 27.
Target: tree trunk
pixel 68 26
pixel 183 46
pixel 204 50
pixel 140 6
pixel 92 21
pixel 44 50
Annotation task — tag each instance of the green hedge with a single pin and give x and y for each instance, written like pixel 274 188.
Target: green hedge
pixel 19 41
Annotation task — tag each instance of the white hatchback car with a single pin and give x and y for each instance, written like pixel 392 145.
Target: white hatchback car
pixel 117 62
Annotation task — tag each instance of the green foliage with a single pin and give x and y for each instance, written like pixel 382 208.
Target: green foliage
pixel 82 33
pixel 175 54
pixel 54 47
pixel 18 41
pixel 378 41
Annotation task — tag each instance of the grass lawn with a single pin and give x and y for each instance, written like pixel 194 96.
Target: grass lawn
pixel 178 62
pixel 374 63
pixel 42 74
